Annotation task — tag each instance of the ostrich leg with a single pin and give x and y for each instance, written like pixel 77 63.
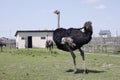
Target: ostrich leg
pixel 74 62
pixel 73 56
pixel 83 59
pixel 1 49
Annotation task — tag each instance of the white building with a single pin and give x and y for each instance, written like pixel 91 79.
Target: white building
pixel 105 33
pixel 32 38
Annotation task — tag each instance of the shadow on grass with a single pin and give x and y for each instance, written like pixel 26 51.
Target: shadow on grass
pixel 81 71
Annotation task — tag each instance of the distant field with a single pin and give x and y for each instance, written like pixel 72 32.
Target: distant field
pixel 39 64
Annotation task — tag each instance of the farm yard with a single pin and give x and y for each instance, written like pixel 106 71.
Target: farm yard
pixel 39 64
pixel 59 40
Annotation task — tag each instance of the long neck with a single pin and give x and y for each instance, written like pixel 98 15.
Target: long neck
pixel 89 31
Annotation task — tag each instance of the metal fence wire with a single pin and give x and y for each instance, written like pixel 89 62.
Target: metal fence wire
pixel 103 45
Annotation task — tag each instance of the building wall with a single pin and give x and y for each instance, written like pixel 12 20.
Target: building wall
pixel 38 39
pixel 19 42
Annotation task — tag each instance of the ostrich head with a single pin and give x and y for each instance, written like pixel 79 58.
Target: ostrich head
pixel 57 12
pixel 88 26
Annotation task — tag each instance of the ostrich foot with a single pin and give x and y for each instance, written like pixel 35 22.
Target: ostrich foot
pixel 75 71
pixel 85 71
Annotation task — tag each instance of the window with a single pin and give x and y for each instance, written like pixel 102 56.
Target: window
pixel 43 37
pixel 22 38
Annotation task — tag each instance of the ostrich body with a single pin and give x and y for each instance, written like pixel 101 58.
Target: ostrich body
pixel 49 45
pixel 1 45
pixel 72 39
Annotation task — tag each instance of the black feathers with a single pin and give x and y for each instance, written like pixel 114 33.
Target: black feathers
pixel 72 38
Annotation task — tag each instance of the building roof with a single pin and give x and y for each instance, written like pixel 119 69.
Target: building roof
pixel 104 32
pixel 32 31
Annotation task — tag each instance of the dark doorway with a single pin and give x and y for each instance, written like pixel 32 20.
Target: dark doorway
pixel 29 41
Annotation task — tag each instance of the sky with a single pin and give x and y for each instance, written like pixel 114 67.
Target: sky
pixel 39 15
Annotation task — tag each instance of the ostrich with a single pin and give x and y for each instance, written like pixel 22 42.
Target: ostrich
pixel 1 45
pixel 72 39
pixel 49 45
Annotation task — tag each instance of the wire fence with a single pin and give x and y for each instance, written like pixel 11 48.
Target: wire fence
pixel 103 45
pixel 96 45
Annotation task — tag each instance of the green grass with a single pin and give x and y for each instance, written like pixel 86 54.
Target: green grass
pixel 39 64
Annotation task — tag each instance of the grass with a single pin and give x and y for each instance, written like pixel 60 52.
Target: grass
pixel 39 64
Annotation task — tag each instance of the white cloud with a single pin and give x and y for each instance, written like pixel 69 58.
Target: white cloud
pixel 101 6
pixel 90 1
pixel 94 3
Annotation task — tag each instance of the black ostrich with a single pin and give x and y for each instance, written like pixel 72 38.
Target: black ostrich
pixel 49 45
pixel 1 45
pixel 72 39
